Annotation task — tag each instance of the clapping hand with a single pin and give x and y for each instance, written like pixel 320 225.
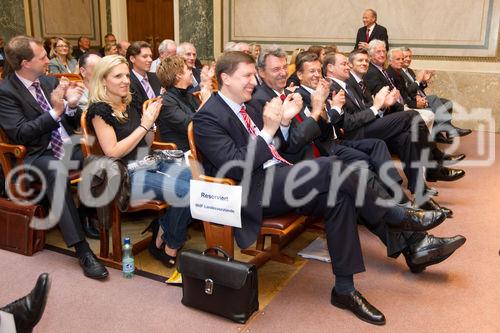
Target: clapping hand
pixel 272 116
pixel 150 114
pixel 57 98
pixel 73 93
pixel 291 107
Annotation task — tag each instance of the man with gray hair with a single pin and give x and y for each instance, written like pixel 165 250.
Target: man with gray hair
pixel 411 101
pixel 442 107
pixel 240 46
pixel 188 52
pixel 370 31
pixel 166 48
pixel 377 78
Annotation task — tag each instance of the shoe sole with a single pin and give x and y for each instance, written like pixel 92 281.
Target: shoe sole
pixel 433 256
pixel 342 306
pixel 433 180
pixel 100 277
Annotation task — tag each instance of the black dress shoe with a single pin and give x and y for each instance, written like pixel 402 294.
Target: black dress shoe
pixel 418 220
pixel 459 132
pixel 431 250
pixel 357 304
pixel 430 191
pixel 452 159
pixel 444 174
pixel 92 268
pixel 433 205
pixel 443 139
pixel 90 230
pixel 28 310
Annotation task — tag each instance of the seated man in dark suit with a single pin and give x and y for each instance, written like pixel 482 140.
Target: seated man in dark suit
pixel 411 100
pixel 42 115
pixel 82 47
pixel 370 31
pixel 227 128
pixel 443 108
pixel 375 79
pixel 305 134
pixel 188 51
pixel 143 84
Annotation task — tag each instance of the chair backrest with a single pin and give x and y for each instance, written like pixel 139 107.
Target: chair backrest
pixel 70 76
pixel 10 157
pixel 89 142
pixel 194 157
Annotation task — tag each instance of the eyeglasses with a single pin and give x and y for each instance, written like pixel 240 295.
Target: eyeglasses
pixel 66 46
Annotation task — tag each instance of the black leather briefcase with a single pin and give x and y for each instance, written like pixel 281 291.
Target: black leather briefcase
pixel 222 286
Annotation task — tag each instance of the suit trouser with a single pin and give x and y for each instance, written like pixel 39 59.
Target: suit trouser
pixel 395 130
pixel 373 151
pixel 395 242
pixel 69 221
pixel 340 216
pixel 424 141
pixel 442 109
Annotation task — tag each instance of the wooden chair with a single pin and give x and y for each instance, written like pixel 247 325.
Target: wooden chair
pixel 70 76
pixel 280 229
pixel 12 156
pixel 114 258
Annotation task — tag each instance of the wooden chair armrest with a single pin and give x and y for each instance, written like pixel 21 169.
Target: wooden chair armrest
pixel 19 151
pixel 163 145
pixel 226 181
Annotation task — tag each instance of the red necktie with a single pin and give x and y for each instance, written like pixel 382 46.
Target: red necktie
pixel 251 129
pixel 367 35
pixel 316 152
pixel 283 97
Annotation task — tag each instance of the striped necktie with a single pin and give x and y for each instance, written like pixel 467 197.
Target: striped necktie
pixel 147 87
pixel 56 141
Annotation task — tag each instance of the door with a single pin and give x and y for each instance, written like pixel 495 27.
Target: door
pixel 151 21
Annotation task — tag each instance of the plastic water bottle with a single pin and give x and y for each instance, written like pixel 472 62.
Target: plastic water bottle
pixel 128 266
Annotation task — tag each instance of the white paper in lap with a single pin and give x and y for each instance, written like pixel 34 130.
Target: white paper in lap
pixel 217 203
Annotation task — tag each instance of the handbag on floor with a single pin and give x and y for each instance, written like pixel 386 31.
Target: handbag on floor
pixel 219 285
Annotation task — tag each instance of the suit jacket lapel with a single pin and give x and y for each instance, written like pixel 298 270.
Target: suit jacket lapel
pixel 25 94
pixel 234 121
pixel 138 86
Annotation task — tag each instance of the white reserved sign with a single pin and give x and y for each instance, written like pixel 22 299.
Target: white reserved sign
pixel 217 203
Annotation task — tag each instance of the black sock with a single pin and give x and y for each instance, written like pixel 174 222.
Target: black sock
pixel 82 247
pixel 344 284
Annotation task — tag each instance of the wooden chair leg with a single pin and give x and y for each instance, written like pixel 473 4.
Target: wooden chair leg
pixel 276 254
pixel 104 242
pixel 221 236
pixel 116 234
pixel 261 241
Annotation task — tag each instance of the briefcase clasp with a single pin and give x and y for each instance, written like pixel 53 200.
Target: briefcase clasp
pixel 209 286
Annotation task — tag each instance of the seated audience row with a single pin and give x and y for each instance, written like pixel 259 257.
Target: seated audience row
pixel 340 112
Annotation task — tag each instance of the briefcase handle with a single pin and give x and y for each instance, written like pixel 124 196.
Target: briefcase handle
pixel 217 249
